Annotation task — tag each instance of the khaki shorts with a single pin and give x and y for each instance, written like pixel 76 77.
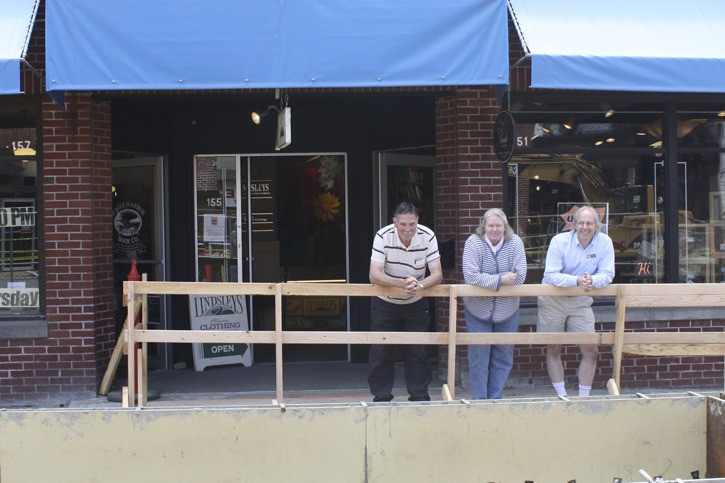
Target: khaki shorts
pixel 565 314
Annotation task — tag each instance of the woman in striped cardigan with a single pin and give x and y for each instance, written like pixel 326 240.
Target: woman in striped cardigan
pixel 492 256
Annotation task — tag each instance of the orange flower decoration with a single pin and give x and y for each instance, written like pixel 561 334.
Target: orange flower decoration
pixel 326 206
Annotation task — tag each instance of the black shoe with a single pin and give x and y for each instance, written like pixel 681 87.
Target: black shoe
pixel 419 398
pixel 383 398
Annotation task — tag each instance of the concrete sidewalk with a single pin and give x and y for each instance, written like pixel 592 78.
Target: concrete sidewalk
pixel 303 383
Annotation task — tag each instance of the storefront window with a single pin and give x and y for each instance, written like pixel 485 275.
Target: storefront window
pixel 598 156
pixel 19 263
pixel 701 143
pixel 613 159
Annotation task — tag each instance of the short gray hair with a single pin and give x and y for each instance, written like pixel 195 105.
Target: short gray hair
pixel 597 221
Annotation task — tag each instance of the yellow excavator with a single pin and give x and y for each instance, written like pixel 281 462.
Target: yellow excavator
pixel 591 183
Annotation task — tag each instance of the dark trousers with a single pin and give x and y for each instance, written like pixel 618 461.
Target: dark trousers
pixel 387 317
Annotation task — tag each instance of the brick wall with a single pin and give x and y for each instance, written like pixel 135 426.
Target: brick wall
pixel 76 204
pixel 638 372
pixel 77 251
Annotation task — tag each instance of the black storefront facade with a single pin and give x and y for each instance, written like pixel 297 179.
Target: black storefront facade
pixel 308 211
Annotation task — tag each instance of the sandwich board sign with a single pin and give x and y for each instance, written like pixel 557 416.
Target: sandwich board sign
pixel 219 312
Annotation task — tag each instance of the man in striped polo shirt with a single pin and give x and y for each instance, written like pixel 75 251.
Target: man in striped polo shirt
pixel 401 253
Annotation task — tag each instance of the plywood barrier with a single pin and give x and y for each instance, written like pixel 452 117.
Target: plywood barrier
pixel 592 439
pixel 625 296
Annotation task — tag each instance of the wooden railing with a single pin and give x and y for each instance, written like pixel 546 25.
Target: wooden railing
pixel 625 296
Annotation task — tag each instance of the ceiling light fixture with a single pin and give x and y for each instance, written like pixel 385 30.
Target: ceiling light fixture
pixel 721 114
pixel 599 143
pixel 609 113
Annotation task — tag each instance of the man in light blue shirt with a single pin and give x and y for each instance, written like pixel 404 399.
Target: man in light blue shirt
pixel 583 257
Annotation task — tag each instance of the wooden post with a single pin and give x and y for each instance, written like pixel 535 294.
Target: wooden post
pixel 143 366
pixel 113 363
pixel 278 340
pixel 620 304
pixel 612 388
pixel 131 339
pixel 452 329
pixel 141 378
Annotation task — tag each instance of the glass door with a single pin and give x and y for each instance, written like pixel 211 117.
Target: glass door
pixel 404 177
pixel 407 177
pixel 138 233
pixel 280 218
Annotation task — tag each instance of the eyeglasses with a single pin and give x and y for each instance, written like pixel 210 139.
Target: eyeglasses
pixel 584 223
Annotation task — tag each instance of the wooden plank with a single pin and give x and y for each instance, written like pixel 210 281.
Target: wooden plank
pixel 345 289
pixel 676 300
pixel 202 288
pixel 612 387
pixel 278 340
pixel 352 289
pixel 452 329
pixel 446 393
pixel 675 349
pixel 674 338
pixel 131 343
pixel 142 383
pixel 113 364
pixel 135 316
pixel 531 290
pixel 673 289
pixel 401 338
pixel 426 338
pixel 619 323
pixel 531 338
pixel 143 368
pixel 205 336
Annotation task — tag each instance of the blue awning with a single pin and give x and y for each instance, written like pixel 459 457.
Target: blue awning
pixel 220 44
pixel 624 45
pixel 16 23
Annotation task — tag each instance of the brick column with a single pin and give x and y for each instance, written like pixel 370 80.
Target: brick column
pixel 78 242
pixel 468 182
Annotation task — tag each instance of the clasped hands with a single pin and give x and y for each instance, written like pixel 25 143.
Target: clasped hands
pixel 584 282
pixel 412 286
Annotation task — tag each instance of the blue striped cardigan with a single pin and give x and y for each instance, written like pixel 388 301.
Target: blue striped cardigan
pixel 481 267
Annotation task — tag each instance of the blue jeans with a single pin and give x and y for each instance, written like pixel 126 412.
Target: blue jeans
pixel 489 365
